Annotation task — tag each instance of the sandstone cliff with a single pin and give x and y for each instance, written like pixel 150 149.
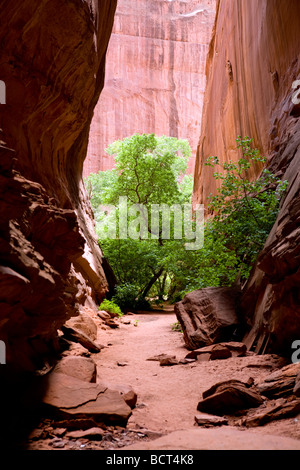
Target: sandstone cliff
pixel 155 77
pixel 52 64
pixel 252 65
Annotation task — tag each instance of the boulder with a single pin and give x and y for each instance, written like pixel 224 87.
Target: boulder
pixel 84 323
pixel 220 352
pixel 83 368
pixel 280 383
pixel 208 316
pixel 126 391
pixel 70 398
pixel 78 336
pixel 228 397
pixel 280 409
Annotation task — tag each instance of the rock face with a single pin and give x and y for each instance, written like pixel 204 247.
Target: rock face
pixel 52 56
pixel 155 77
pixel 252 69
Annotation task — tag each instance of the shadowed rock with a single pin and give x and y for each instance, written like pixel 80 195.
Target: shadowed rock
pixel 208 316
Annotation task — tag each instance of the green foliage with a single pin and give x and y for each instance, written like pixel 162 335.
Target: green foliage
pixel 244 211
pixel 150 170
pixel 111 307
pixel 176 327
pixel 127 296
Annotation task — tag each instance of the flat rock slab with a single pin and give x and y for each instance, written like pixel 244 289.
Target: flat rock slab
pixel 272 412
pixel 82 368
pixel 280 383
pixel 92 433
pixel 227 438
pixel 228 397
pixel 73 398
pixel 236 349
pixel 127 393
pixel 203 419
pixel 78 336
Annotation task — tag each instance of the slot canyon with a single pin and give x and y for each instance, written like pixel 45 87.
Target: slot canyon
pixel 217 369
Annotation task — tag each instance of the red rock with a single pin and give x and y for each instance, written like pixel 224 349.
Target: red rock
pixel 84 323
pixel 73 398
pixel 168 361
pixel 53 69
pixel 220 352
pixel 206 420
pixel 228 397
pixel 95 434
pixel 156 67
pixel 82 368
pixel 249 93
pixel 79 337
pixel 208 316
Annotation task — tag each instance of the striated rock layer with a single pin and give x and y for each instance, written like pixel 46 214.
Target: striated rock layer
pixel 252 67
pixel 155 77
pixel 52 64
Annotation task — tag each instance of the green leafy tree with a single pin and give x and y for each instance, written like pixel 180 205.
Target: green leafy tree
pixel 149 170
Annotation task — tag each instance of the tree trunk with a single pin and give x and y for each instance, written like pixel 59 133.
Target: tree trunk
pixel 152 281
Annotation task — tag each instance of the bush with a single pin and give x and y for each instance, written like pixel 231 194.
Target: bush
pixel 110 307
pixel 128 298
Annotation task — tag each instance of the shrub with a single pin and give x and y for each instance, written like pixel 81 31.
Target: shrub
pixel 110 307
pixel 128 298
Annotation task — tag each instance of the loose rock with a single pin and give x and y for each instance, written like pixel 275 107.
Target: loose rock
pixel 228 397
pixel 168 361
pixel 207 420
pixel 72 398
pixel 92 433
pixel 75 335
pixel 82 368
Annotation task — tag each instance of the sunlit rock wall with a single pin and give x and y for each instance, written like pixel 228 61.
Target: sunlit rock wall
pixel 252 70
pixel 155 76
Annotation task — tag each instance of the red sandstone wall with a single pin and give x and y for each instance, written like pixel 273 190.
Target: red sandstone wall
pixel 52 63
pixel 253 62
pixel 155 76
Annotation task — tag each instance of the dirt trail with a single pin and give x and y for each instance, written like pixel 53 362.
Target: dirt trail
pixel 168 396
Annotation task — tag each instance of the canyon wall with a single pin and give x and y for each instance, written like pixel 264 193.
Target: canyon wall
pixel 52 66
pixel 155 76
pixel 252 68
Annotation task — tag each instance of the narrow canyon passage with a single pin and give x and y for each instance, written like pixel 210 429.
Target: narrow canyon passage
pixel 79 75
pixel 167 397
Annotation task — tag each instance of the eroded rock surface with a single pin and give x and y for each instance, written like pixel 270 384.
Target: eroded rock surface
pixel 52 56
pixel 208 316
pixel 252 67
pixel 155 77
